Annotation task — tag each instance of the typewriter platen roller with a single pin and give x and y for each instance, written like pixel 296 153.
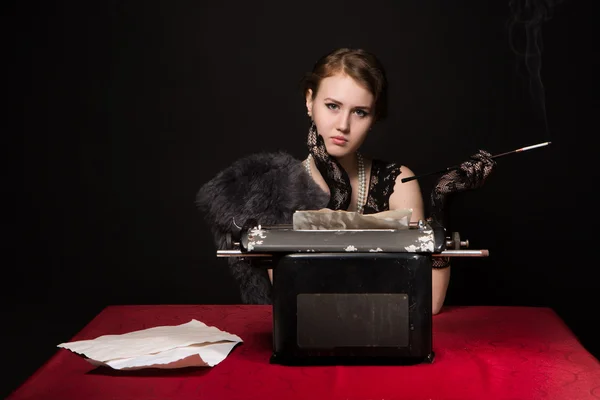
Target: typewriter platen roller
pixel 255 240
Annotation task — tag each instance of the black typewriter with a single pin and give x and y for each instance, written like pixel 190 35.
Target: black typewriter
pixel 350 296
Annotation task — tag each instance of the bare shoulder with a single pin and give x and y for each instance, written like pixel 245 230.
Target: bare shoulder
pixel 407 194
pixel 405 172
pixel 411 186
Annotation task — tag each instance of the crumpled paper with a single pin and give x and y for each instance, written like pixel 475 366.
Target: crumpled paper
pixel 329 219
pixel 191 344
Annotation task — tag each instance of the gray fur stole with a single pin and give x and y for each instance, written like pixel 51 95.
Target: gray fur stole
pixel 267 187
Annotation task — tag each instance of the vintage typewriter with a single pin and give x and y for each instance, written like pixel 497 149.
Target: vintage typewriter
pixel 358 295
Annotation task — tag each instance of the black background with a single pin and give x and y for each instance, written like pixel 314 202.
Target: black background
pixel 117 112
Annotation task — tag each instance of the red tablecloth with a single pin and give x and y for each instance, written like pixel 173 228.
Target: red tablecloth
pixel 488 353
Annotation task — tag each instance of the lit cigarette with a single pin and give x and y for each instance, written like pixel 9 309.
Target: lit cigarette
pixel 534 146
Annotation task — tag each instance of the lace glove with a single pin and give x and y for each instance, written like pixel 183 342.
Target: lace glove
pixel 334 175
pixel 471 174
pixel 440 262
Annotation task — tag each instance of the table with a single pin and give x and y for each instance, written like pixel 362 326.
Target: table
pixel 482 352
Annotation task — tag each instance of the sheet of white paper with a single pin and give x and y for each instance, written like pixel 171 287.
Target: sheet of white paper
pixel 202 355
pixel 192 343
pixel 330 219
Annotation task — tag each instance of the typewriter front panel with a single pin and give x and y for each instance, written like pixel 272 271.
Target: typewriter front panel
pixel 352 308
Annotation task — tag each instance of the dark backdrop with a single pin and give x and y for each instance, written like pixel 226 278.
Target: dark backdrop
pixel 117 112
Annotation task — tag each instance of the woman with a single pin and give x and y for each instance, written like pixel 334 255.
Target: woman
pixel 346 93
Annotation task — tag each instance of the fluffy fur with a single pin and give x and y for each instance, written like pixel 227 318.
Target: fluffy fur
pixel 268 187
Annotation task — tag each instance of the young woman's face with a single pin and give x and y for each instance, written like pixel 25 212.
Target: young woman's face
pixel 343 113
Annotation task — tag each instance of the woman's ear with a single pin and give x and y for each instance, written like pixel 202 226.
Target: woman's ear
pixel 309 102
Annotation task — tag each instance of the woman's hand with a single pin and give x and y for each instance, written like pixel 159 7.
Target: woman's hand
pixel 470 175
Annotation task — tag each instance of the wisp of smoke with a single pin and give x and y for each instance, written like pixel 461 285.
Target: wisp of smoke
pixel 525 37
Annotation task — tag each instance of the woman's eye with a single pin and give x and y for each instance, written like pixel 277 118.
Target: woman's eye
pixel 361 113
pixel 332 106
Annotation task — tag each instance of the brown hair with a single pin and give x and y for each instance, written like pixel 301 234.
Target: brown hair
pixel 361 66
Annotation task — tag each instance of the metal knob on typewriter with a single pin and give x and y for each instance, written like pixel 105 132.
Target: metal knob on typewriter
pixel 455 243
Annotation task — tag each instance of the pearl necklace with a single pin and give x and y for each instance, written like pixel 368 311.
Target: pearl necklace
pixel 362 182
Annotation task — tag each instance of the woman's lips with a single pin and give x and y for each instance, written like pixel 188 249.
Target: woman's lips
pixel 339 140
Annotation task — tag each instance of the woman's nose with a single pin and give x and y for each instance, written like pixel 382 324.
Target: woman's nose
pixel 343 123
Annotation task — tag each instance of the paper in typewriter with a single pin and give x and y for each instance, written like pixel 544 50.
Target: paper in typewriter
pixel 327 219
pixel 165 347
